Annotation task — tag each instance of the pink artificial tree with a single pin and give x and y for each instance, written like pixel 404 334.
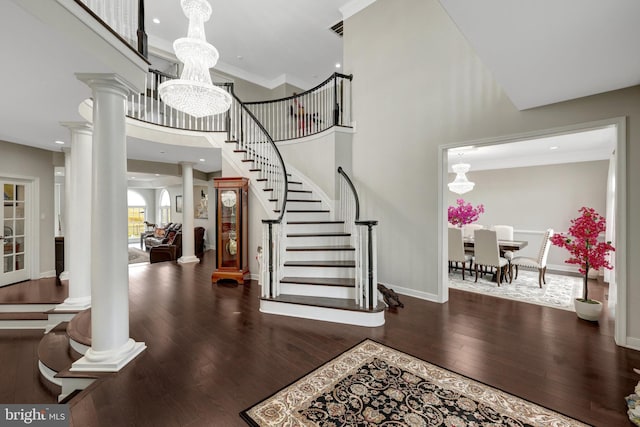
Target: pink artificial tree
pixel 464 213
pixel 583 246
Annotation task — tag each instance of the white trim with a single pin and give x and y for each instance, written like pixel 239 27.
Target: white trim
pixel 621 318
pixel 348 317
pixel 633 343
pixel 49 373
pixel 427 296
pixel 50 273
pixel 353 7
pixel 309 138
pixel 24 324
pixel 78 346
pixel 108 360
pixel 188 259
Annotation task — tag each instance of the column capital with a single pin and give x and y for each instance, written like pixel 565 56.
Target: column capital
pixel 66 150
pixel 83 127
pixel 106 81
pixel 187 163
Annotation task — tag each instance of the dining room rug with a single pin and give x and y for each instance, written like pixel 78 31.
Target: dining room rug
pixel 137 256
pixel 372 384
pixel 558 292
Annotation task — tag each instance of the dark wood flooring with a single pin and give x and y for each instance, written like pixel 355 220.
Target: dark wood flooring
pixel 211 353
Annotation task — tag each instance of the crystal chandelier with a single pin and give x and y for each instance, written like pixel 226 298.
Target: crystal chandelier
pixel 193 92
pixel 461 184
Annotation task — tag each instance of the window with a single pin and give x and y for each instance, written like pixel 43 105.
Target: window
pixel 164 213
pixel 136 218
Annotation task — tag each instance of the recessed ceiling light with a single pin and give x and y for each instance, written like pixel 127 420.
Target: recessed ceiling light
pixel 555 147
pixel 202 160
pixel 338 65
pixel 59 142
pixel 156 21
pixel 58 173
pixel 133 177
pixel 240 58
pixel 157 174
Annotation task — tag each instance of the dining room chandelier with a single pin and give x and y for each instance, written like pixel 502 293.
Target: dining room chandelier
pixel 461 184
pixel 194 93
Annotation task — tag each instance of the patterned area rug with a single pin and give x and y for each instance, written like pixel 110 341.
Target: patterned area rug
pixel 137 256
pixel 559 292
pixel 372 384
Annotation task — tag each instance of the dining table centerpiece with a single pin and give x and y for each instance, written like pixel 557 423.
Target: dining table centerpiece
pixel 463 213
pixel 588 253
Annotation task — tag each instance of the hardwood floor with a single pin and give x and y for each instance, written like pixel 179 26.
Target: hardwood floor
pixel 211 353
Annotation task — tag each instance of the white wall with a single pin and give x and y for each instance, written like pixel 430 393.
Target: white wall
pixel 418 85
pixel 20 161
pixel 536 198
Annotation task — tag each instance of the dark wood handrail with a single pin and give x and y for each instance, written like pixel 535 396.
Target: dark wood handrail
pixel 353 190
pixel 299 95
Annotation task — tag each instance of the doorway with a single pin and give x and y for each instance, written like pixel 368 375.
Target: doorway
pixel 15 220
pixel 616 206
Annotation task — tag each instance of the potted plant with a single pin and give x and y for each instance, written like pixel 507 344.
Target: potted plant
pixel 587 252
pixel 463 213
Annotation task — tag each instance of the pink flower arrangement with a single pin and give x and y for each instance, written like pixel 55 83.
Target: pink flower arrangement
pixel 464 213
pixel 582 243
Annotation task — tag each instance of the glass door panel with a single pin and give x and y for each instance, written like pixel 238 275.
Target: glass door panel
pixel 13 237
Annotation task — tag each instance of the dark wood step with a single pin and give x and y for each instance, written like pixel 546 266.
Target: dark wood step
pixel 315 222
pixel 320 248
pixel 79 328
pixel 17 315
pixel 304 210
pixel 329 234
pixel 231 141
pixel 298 200
pixel 239 151
pixel 294 182
pixel 299 191
pixel 339 264
pixel 324 281
pixel 255 170
pixel 246 160
pixel 261 179
pixel 54 350
pixel 337 303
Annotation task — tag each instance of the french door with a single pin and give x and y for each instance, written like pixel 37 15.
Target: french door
pixel 13 239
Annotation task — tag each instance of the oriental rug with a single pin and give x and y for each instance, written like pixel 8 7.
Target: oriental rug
pixel 372 384
pixel 137 256
pixel 558 292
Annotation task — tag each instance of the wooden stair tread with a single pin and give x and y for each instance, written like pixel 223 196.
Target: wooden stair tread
pixel 304 210
pixel 66 373
pixel 326 281
pixel 337 303
pixel 321 248
pixel 291 190
pixel 315 222
pixel 340 264
pixel 294 182
pixel 304 200
pixel 27 315
pixel 325 234
pixel 54 350
pixel 79 328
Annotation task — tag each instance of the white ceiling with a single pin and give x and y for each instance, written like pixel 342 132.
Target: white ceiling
pixel 539 51
pixel 547 51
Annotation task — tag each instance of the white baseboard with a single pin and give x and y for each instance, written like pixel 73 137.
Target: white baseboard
pixel 632 343
pixel 412 292
pixel 47 274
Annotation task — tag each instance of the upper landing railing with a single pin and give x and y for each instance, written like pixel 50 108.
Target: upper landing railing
pixel 307 113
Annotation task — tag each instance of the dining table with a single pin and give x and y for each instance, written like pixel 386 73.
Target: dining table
pixel 503 245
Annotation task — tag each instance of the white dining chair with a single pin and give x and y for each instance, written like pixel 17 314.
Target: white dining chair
pixel 456 250
pixel 468 229
pixel 504 232
pixel 487 253
pixel 540 262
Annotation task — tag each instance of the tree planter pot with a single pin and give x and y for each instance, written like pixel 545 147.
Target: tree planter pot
pixel 588 310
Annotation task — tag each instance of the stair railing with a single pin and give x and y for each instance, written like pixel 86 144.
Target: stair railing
pixel 363 239
pixel 149 107
pixel 307 113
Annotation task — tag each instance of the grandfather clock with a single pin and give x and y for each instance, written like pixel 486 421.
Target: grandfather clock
pixel 232 231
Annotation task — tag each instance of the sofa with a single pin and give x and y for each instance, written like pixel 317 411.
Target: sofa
pixel 172 249
pixel 162 235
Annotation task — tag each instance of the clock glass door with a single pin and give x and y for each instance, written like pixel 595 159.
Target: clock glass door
pixel 229 236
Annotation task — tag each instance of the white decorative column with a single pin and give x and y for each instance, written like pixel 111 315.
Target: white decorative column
pixel 67 207
pixel 111 348
pixel 78 218
pixel 188 239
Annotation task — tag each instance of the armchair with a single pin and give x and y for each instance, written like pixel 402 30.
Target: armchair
pixel 172 250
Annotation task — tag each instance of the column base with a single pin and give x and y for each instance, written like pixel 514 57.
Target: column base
pixel 74 304
pixel 64 275
pixel 110 360
pixel 188 259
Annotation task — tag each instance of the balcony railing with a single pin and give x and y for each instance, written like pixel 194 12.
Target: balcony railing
pixel 318 109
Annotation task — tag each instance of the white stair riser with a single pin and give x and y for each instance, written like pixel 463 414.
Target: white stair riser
pixel 298 195
pixel 308 216
pixel 310 205
pixel 322 313
pixel 340 272
pixel 318 241
pixel 26 308
pixel 24 324
pixel 317 290
pixel 69 385
pixel 56 318
pixel 320 255
pixel 315 228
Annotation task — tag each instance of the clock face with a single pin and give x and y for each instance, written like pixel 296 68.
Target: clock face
pixel 228 198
